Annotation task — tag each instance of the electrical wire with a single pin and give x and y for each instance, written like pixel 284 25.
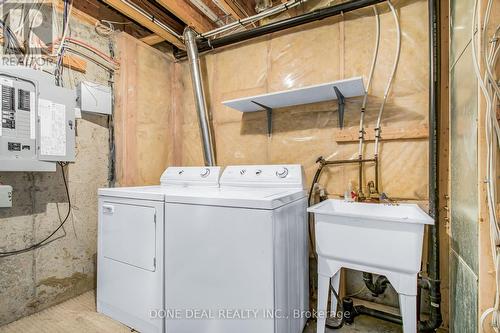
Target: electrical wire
pixel 60 52
pixel 93 54
pixel 93 50
pixel 92 58
pixel 13 45
pixel 103 28
pixel 47 239
pixel 391 78
pixel 66 26
pixel 106 28
pixel 491 92
pixel 30 57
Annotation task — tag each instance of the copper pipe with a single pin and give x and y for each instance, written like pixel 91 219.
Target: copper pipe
pixel 361 195
pixel 365 160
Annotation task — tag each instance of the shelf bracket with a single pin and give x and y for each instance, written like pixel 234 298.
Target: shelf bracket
pixel 269 112
pixel 341 103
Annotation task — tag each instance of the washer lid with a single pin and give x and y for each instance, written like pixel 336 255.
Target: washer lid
pixel 266 198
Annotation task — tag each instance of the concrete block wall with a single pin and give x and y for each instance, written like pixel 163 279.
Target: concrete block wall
pixel 64 268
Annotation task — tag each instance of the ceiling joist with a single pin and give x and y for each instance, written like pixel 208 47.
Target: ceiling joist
pixel 233 10
pixel 237 9
pixel 144 21
pixel 187 14
pixel 152 39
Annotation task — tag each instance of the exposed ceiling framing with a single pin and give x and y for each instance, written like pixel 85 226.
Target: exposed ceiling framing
pixel 91 11
pixel 152 39
pixel 145 21
pixel 165 20
pixel 188 14
pixel 237 9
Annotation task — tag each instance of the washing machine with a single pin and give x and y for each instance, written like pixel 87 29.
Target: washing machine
pixel 130 249
pixel 237 256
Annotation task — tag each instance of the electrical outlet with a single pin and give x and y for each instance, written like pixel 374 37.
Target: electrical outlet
pixel 5 196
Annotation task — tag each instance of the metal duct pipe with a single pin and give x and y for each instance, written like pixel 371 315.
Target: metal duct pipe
pixel 199 96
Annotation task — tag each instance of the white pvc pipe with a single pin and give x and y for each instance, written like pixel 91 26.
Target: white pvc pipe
pixel 152 19
pixel 391 78
pixel 370 77
pixel 272 11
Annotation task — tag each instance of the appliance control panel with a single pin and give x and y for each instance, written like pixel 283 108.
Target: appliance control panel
pixel 286 175
pixel 202 176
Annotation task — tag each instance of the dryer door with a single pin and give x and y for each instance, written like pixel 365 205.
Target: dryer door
pixel 129 234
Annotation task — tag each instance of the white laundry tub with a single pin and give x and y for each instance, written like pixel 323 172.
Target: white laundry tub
pixel 378 238
pixel 384 236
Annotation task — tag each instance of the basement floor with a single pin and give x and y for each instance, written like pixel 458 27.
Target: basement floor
pixel 79 315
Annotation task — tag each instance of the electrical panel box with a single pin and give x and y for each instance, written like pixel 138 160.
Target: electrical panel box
pixel 37 121
pixel 5 196
pixel 94 98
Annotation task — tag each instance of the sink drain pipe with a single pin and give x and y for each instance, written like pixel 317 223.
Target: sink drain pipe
pixel 199 97
pixel 378 287
pixel 434 285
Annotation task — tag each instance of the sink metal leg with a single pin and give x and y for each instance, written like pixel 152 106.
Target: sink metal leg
pixel 408 307
pixel 323 290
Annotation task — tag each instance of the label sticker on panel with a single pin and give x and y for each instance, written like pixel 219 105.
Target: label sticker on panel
pixel 52 128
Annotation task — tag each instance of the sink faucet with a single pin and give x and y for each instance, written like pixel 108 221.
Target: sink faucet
pixel 386 199
pixel 372 193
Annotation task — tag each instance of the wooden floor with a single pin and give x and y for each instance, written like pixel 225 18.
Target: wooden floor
pixel 79 315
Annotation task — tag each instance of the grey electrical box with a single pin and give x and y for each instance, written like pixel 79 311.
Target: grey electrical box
pixel 37 120
pixel 94 98
pixel 5 196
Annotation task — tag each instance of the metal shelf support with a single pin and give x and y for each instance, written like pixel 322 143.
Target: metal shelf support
pixel 341 103
pixel 269 112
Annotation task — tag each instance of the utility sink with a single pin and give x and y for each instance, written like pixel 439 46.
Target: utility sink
pixel 386 236
pixel 378 238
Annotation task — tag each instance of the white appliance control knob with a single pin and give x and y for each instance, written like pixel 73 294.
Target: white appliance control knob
pixel 242 172
pixel 282 172
pixel 258 172
pixel 205 173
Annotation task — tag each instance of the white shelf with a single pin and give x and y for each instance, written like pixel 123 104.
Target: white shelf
pixel 311 94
